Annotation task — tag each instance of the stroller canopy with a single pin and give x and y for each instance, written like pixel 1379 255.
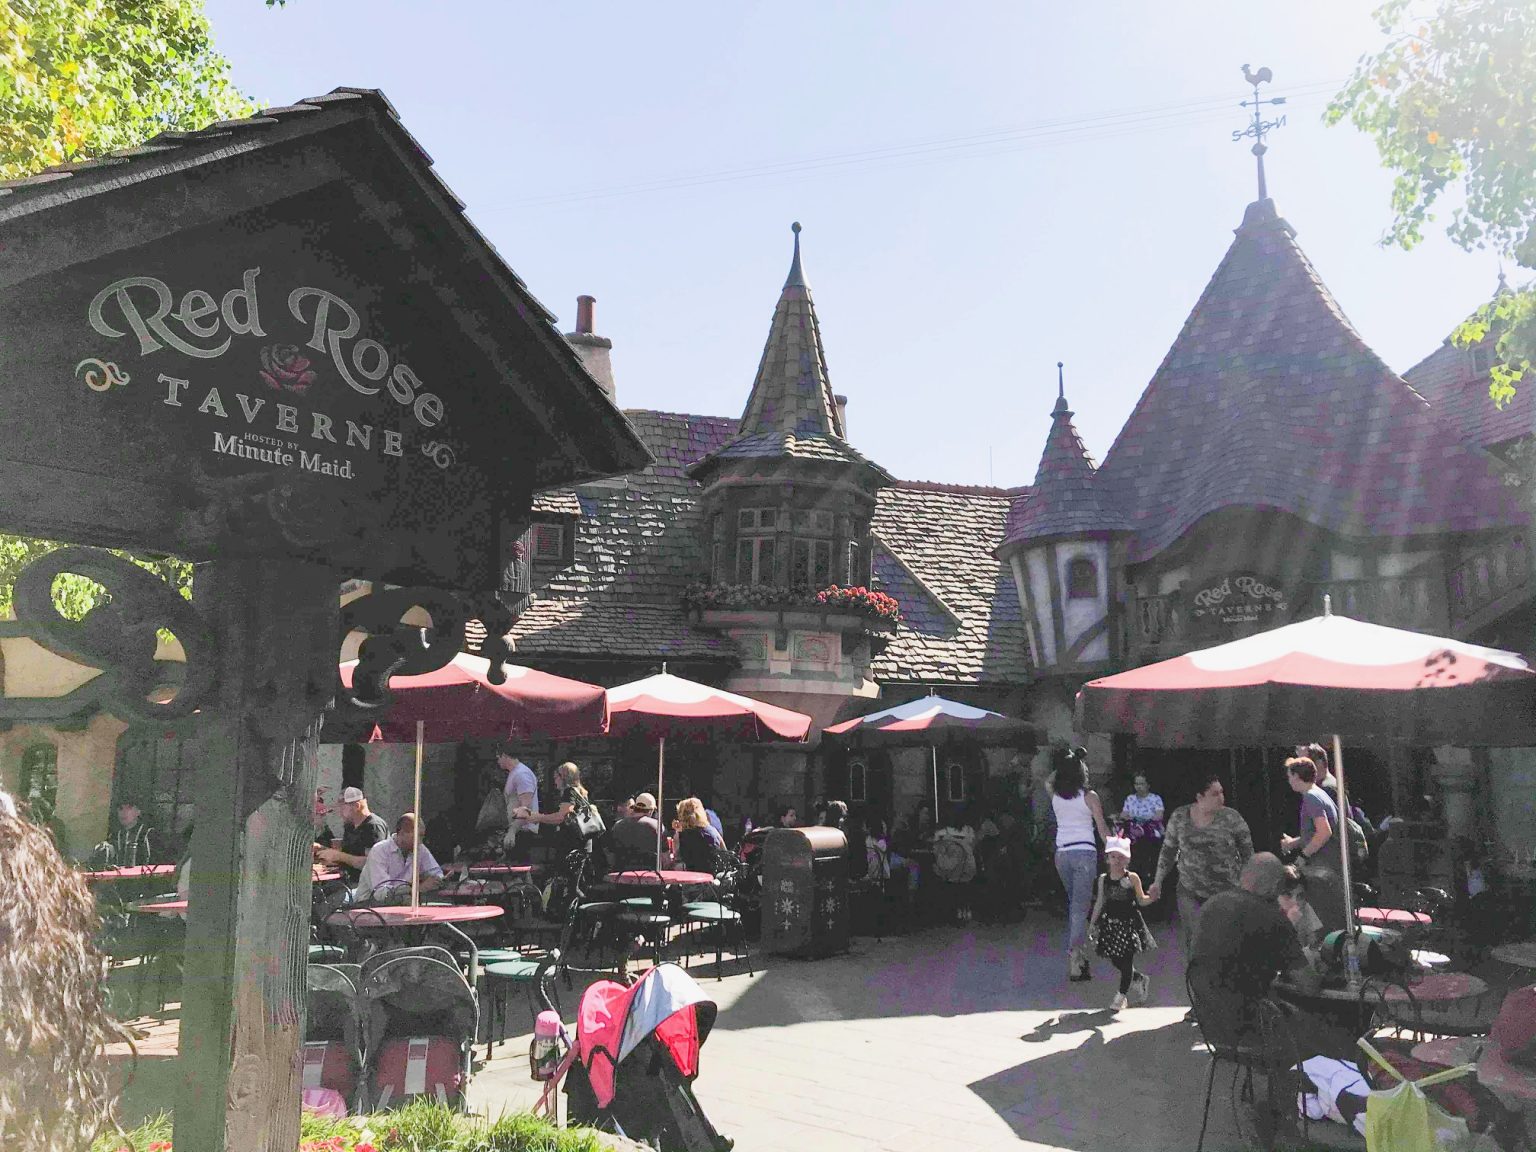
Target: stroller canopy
pixel 613 1020
pixel 416 991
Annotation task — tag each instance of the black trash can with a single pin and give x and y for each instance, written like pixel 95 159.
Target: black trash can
pixel 805 892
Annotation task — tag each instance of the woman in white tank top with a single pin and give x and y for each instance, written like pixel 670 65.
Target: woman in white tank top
pixel 1079 815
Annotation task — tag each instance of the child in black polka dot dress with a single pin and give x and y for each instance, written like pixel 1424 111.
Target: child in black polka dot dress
pixel 1116 928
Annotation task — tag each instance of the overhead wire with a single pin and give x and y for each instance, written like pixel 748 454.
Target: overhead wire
pixel 990 142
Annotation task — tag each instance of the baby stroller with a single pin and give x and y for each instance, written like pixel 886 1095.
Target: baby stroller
pixel 635 1057
pixel 420 1018
pixel 333 1040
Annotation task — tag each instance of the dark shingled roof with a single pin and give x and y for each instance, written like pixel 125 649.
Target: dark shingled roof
pixel 1270 398
pixel 636 550
pixel 1066 499
pixel 944 536
pixel 1459 395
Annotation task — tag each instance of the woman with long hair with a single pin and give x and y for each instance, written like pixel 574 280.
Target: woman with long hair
pixel 571 799
pixel 1078 816
pixel 54 1092
pixel 698 844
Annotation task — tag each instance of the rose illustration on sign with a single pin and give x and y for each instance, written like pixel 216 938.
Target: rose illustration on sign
pixel 283 366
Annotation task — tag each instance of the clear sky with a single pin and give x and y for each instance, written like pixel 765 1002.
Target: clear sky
pixel 986 188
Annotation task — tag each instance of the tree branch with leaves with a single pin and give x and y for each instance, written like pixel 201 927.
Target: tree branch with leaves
pixel 79 79
pixel 1450 101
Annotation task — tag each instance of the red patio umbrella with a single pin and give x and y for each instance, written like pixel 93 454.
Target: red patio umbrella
pixel 934 720
pixel 664 706
pixel 1333 674
pixel 458 701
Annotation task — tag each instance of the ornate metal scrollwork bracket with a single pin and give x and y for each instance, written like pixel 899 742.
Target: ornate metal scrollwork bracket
pixel 394 648
pixel 120 634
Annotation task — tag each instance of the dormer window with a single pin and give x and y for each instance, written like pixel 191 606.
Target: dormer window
pixel 1480 356
pixel 548 543
pixel 1082 579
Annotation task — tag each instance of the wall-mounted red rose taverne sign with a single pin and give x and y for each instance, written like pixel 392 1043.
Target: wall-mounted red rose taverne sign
pixel 280 336
pixel 1236 601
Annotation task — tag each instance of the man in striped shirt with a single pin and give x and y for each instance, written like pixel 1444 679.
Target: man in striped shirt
pixel 131 843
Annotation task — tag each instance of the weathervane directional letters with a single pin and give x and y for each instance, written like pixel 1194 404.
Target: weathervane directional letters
pixel 1260 126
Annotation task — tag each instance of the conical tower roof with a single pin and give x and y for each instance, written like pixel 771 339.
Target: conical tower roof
pixel 1270 398
pixel 1065 499
pixel 791 412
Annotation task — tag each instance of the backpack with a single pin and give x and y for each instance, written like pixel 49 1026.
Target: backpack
pixel 1359 845
pixel 952 861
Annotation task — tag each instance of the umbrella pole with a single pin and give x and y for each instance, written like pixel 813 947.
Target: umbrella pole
pixel 1338 787
pixel 661 776
pixel 934 750
pixel 416 808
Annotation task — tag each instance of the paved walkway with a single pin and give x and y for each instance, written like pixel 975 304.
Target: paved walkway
pixel 954 1038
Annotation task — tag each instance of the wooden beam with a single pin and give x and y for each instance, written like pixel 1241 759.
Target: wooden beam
pixel 275 625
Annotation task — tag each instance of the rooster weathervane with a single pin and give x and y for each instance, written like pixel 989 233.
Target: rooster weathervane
pixel 1260 127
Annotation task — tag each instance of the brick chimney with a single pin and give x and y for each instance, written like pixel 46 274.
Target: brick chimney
pixel 842 413
pixel 594 350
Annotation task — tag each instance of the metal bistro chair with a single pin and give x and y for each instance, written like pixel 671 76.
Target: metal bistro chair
pixel 721 914
pixel 1265 1045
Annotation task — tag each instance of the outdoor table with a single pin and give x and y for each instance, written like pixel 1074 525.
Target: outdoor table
pixel 667 877
pixel 159 907
pixel 1393 917
pixel 1521 955
pixel 1438 988
pixel 1448 1051
pixel 325 875
pixel 138 872
pixel 404 917
pixel 488 870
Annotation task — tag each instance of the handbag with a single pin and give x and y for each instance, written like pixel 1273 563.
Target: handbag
pixel 589 822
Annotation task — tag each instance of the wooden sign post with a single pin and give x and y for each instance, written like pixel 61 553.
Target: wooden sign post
pixel 277 350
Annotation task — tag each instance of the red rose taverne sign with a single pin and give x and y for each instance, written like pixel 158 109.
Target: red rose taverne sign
pixel 271 416
pixel 1237 600
pixel 251 390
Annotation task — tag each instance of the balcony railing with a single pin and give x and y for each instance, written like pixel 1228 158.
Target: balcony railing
pixel 1490 581
pixel 1415 601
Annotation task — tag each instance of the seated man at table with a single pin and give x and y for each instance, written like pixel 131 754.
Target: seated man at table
pixel 1242 943
pixel 1246 939
pixel 134 843
pixel 632 841
pixel 386 877
pixel 361 830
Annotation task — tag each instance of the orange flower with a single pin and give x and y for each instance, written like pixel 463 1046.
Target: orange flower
pixel 1433 137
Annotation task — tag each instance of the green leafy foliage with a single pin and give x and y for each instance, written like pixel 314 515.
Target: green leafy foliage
pixel 418 1127
pixel 74 596
pixel 1450 100
pixel 79 78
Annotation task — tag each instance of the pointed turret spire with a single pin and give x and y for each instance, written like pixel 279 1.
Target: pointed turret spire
pixel 793 393
pixel 796 277
pixel 792 412
pixel 1065 456
pixel 1065 499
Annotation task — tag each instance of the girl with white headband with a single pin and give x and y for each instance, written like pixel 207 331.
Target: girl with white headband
pixel 1116 927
